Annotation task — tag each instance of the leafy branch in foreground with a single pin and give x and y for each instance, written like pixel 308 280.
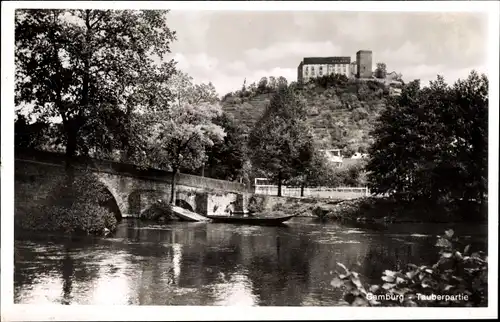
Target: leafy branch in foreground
pixel 459 278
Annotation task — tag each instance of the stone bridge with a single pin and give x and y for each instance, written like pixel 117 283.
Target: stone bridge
pixel 132 188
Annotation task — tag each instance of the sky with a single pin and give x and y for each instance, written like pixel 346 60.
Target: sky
pixel 225 47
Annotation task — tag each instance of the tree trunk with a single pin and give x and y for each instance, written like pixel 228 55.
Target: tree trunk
pixel 302 186
pixel 172 187
pixel 128 153
pixel 70 152
pixel 279 184
pixel 66 197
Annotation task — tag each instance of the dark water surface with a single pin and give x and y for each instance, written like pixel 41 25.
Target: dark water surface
pixel 217 264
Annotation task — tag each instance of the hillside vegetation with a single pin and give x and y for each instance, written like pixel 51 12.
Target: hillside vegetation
pixel 341 111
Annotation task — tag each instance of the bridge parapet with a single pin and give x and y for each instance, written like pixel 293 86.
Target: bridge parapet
pixel 126 169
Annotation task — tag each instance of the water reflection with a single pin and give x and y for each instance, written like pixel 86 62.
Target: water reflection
pixel 67 276
pixel 211 264
pixel 238 291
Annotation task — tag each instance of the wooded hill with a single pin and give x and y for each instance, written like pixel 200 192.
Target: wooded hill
pixel 341 111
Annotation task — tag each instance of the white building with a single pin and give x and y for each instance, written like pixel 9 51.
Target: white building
pixel 334 156
pixel 313 67
pixel 359 155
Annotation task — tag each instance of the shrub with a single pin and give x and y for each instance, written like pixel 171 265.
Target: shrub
pixel 80 218
pixel 349 175
pixel 73 208
pixel 459 278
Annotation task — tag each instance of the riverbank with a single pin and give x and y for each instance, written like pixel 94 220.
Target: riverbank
pixel 79 208
pixel 301 207
pixel 376 210
pixel 80 219
pixel 388 210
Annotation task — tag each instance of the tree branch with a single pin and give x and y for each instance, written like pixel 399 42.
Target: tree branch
pixel 103 14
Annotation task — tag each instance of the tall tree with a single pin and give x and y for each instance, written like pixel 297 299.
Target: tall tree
pixel 469 115
pixel 282 142
pixel 226 159
pixel 183 90
pixel 273 83
pixel 316 172
pixel 381 70
pixel 262 86
pixel 431 143
pixel 178 137
pixel 253 88
pixel 91 68
pixel 282 81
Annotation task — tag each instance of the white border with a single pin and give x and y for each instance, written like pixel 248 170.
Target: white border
pixel 13 312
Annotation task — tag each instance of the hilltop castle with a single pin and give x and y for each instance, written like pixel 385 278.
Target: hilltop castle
pixel 312 67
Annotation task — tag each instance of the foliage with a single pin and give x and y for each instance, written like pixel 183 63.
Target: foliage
pixel 265 85
pixel 352 176
pixel 458 278
pixel 91 69
pixel 79 208
pixel 320 172
pixel 381 70
pixel 226 159
pixel 340 111
pixel 331 80
pixel 30 135
pixel 281 141
pixel 346 176
pixel 282 82
pixel 184 91
pixel 177 138
pixel 431 143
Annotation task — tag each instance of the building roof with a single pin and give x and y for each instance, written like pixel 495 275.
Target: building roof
pixel 327 60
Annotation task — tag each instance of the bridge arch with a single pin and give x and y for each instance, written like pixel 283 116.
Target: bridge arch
pixel 115 200
pixel 108 199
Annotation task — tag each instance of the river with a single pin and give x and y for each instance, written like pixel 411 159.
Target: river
pixel 216 264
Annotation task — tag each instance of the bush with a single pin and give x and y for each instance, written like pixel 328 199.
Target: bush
pixel 80 218
pixel 68 208
pixel 346 176
pixel 459 278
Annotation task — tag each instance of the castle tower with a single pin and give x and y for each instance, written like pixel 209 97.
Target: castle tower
pixel 364 62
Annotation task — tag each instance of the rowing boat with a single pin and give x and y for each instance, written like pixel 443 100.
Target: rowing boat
pixel 251 220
